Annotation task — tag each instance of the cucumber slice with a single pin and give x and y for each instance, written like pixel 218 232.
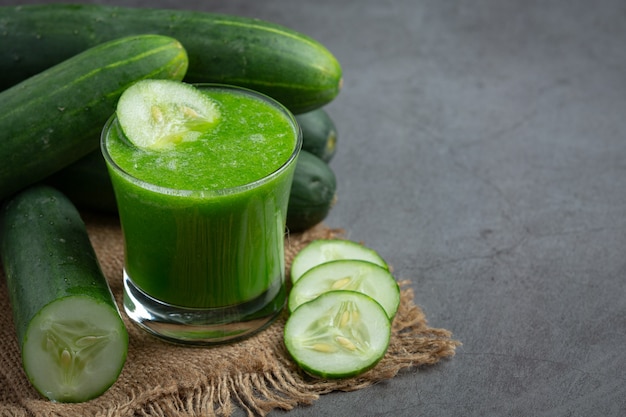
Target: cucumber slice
pixel 337 335
pixel 325 250
pixel 348 274
pixel 158 114
pixel 74 349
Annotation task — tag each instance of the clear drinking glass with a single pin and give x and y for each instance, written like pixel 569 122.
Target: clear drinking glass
pixel 205 265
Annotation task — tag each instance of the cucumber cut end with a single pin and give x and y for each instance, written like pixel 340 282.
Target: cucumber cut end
pixel 159 114
pixel 338 334
pixel 75 349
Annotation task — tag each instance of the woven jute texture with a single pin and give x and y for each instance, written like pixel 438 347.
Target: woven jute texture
pixel 255 375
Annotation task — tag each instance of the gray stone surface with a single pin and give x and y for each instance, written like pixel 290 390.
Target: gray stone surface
pixel 482 152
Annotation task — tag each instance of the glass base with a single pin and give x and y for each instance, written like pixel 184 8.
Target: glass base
pixel 206 326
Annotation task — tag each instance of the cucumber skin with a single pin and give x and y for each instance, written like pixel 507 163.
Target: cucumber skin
pixel 319 133
pixel 54 118
pixel 289 66
pixel 312 192
pixel 36 262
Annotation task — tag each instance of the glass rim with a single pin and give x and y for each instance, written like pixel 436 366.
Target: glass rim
pixel 112 123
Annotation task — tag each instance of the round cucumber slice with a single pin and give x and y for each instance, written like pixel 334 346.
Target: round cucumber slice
pixel 159 114
pixel 325 250
pixel 348 274
pixel 75 349
pixel 338 334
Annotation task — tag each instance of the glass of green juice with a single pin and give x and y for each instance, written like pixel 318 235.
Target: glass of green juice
pixel 204 222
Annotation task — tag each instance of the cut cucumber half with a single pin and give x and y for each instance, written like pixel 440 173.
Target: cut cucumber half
pixel 347 274
pixel 338 335
pixel 325 250
pixel 158 114
pixel 74 349
pixel 72 339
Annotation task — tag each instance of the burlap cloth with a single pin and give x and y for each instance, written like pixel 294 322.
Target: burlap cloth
pixel 255 375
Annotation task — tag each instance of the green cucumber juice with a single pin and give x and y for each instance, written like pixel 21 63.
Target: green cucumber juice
pixel 204 222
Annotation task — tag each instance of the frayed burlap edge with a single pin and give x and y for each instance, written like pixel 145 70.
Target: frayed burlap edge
pixel 255 375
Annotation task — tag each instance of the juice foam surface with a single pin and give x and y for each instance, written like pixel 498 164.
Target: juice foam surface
pixel 252 140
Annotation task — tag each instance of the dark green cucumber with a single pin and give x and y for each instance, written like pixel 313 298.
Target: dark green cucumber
pixel 289 66
pixel 72 338
pixel 54 118
pixel 312 192
pixel 319 133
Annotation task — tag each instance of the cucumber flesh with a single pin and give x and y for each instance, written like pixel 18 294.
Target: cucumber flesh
pixel 325 250
pixel 338 334
pixel 355 275
pixel 158 114
pixel 74 349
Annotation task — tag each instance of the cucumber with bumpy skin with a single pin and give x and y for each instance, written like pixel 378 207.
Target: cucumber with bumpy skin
pixel 287 65
pixel 72 338
pixel 54 118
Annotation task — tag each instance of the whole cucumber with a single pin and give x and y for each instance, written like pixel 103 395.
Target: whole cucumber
pixel 319 133
pixel 313 192
pixel 287 65
pixel 54 118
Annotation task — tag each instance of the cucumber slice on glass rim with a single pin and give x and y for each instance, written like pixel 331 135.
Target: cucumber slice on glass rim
pixel 338 334
pixel 347 274
pixel 325 250
pixel 159 114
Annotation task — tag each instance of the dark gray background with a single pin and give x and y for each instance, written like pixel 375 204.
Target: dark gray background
pixel 482 152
